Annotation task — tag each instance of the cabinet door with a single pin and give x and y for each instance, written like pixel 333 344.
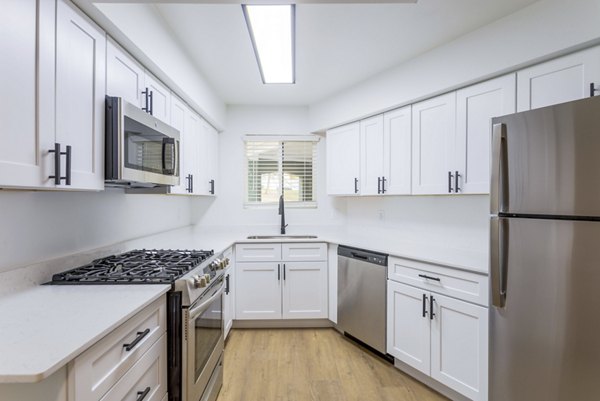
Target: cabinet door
pixel 343 160
pixel 557 81
pixel 19 158
pixel 408 328
pixel 179 113
pixel 304 290
pixel 211 156
pixel 124 75
pixel 459 346
pixel 475 108
pixel 397 160
pixel 258 290
pixel 371 152
pixel 80 95
pixel 192 152
pixel 228 304
pixel 161 98
pixel 433 136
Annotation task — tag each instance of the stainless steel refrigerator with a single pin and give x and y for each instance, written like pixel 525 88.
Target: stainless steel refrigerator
pixel 545 254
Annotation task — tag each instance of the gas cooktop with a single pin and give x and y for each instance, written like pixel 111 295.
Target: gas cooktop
pixel 157 266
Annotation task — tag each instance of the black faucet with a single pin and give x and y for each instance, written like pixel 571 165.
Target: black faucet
pixel 282 213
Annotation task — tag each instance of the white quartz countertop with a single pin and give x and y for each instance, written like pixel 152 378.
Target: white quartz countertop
pixel 45 327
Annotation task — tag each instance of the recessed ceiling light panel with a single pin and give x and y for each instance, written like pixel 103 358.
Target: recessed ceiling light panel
pixel 271 29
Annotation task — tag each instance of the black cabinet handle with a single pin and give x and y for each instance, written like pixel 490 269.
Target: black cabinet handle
pixel 227 284
pixel 450 176
pixel 431 301
pixel 192 183
pixel 212 187
pixel 355 185
pixel 424 305
pixel 378 185
pixel 456 177
pixel 284 272
pixel 146 108
pixel 56 152
pixel 593 89
pixel 68 165
pixel 140 336
pixel 151 96
pixel 278 272
pixel 430 277
pixel 142 394
pixel 383 180
pixel 188 188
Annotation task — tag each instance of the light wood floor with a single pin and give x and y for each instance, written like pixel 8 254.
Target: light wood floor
pixel 311 365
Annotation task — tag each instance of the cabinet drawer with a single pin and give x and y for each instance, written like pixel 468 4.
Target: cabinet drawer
pixel 97 369
pixel 306 252
pixel 148 375
pixel 471 287
pixel 257 252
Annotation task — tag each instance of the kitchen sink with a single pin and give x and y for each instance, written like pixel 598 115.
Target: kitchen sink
pixel 282 236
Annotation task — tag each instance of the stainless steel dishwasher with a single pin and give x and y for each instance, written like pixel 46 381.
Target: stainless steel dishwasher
pixel 362 283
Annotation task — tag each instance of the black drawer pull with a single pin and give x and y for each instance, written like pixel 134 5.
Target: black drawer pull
pixel 431 314
pixel 142 394
pixel 429 277
pixel 140 336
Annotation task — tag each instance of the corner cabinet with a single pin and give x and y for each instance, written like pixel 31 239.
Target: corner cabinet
pixel 560 80
pixel 343 160
pixel 281 281
pixel 59 118
pixel 434 326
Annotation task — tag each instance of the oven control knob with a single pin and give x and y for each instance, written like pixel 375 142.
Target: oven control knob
pixel 207 278
pixel 199 281
pixel 215 265
pixel 225 262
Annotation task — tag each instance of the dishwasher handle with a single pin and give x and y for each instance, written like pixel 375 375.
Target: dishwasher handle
pixel 363 255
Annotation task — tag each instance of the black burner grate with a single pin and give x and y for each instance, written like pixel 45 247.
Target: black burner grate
pixel 135 267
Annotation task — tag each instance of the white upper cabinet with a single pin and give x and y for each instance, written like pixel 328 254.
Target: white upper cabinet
pixel 80 93
pixel 20 163
pixel 343 160
pixel 371 155
pixel 397 161
pixel 124 75
pixel 433 136
pixel 53 82
pixel 559 80
pixel 179 113
pixel 193 154
pixel 476 106
pixel 159 98
pixel 210 155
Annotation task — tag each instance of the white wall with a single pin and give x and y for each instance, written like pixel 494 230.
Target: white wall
pixel 228 207
pixel 38 226
pixel 542 30
pixel 141 30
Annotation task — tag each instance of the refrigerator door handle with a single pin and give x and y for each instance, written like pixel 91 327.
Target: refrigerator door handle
pixel 499 170
pixel 498 260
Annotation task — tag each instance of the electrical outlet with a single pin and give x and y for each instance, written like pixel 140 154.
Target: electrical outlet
pixel 381 214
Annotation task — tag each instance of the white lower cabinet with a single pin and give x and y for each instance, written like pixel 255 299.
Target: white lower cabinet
pixel 228 294
pixel 277 288
pixel 128 362
pixel 442 337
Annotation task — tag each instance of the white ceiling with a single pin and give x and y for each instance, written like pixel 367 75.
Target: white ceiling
pixel 337 45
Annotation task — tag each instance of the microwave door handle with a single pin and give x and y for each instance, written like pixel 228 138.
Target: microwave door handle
pixel 165 142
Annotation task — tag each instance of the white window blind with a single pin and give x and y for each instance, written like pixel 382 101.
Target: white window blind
pixel 276 167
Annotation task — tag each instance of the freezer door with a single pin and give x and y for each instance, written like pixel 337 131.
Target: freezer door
pixel 544 341
pixel 547 162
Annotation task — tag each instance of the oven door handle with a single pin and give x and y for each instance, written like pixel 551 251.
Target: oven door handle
pixel 199 309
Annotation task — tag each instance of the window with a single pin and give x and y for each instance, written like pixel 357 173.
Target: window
pixel 280 167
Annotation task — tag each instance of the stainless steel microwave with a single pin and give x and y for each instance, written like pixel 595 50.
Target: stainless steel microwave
pixel 141 150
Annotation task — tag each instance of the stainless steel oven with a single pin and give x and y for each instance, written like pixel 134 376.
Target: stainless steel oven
pixel 202 348
pixel 141 150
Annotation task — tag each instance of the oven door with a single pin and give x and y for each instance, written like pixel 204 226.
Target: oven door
pixel 204 345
